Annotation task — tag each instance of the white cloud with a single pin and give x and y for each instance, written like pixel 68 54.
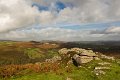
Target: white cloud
pixel 45 18
pixel 113 29
pixel 86 11
pixel 60 34
pixel 109 30
pixel 20 13
pixel 42 34
pixel 16 14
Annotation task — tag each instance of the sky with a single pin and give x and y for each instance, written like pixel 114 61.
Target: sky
pixel 63 20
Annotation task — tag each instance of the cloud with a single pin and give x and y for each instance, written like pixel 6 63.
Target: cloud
pixel 43 34
pixel 16 14
pixel 26 13
pixel 60 34
pixel 86 11
pixel 113 29
pixel 109 30
pixel 45 18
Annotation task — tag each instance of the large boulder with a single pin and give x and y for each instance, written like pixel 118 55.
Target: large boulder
pixel 85 59
pixel 82 59
pixel 76 60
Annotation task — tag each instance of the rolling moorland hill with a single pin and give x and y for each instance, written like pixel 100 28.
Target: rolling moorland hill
pixel 51 60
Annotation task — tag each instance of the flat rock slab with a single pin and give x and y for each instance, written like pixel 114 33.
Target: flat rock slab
pixel 86 53
pixel 104 63
pixel 85 59
pixel 101 68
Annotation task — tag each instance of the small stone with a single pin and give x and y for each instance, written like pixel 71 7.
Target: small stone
pixel 79 66
pixel 69 62
pixel 38 63
pixel 99 72
pixel 104 63
pixel 68 78
pixel 99 68
pixel 89 67
pixel 66 66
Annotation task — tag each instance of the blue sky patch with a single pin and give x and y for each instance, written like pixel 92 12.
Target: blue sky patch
pixel 60 5
pixel 40 7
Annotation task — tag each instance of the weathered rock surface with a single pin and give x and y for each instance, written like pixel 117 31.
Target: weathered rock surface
pixel 82 59
pixel 88 53
pixel 80 56
pixel 77 59
pixel 85 59
pixel 63 51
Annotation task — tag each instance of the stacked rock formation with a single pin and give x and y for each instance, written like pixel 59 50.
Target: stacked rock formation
pixel 81 55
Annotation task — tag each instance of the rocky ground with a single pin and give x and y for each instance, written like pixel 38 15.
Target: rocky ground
pixel 79 56
pixel 47 61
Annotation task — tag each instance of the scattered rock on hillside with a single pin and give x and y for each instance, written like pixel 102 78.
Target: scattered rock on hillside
pixel 99 72
pixel 102 68
pixel 54 59
pixel 104 63
pixel 106 57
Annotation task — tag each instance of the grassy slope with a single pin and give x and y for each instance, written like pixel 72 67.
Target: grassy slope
pixel 14 53
pixel 82 73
